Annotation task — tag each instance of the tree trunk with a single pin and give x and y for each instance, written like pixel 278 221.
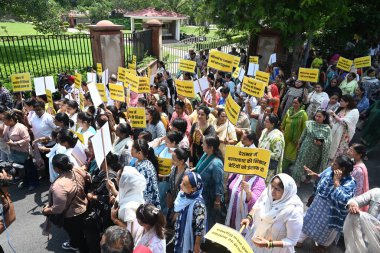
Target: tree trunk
pixel 251 47
pixel 297 52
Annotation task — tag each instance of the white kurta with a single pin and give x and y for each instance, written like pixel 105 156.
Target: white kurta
pixel 287 230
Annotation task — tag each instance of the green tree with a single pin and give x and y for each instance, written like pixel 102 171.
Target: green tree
pixel 296 20
pixel 45 14
pixel 354 38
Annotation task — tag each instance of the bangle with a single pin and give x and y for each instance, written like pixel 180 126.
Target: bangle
pixel 268 244
pixel 271 244
pixel 249 217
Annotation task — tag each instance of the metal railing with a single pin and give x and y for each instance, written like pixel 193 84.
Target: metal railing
pixel 44 54
pixel 174 52
pixel 137 43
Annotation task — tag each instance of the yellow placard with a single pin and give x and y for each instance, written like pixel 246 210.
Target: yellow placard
pixel 99 69
pixel 117 92
pixel 236 61
pixel 229 238
pixel 149 72
pixel 344 64
pixel 131 71
pixel 262 76
pixel 21 82
pixel 133 64
pixel 247 161
pixel 220 61
pixel 144 86
pixel 164 166
pixel 254 59
pixel 80 137
pixel 236 72
pixel 308 75
pixel 185 88
pixel 49 97
pixel 132 81
pixel 253 87
pixel 232 110
pixel 78 81
pixel 81 101
pixel 137 117
pixel 362 62
pixel 187 65
pixel 121 74
pixel 102 91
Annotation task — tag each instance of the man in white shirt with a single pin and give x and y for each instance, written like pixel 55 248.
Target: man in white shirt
pixel 42 122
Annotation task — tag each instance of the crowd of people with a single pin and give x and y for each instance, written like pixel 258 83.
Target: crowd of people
pixel 128 205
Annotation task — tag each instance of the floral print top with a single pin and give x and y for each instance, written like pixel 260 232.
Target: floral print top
pixel 151 194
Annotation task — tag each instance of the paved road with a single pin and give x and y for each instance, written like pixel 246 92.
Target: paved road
pixel 26 235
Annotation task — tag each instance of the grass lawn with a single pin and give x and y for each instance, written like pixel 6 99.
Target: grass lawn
pixel 17 29
pixel 197 31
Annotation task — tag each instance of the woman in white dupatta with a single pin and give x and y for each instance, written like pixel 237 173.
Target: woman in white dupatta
pixel 130 196
pixel 277 217
pixel 123 142
pixel 343 125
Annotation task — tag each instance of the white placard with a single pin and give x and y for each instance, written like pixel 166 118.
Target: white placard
pixel 105 77
pixel 106 138
pixel 97 145
pixel 95 96
pixel 39 86
pixel 197 88
pixel 272 59
pixel 91 77
pixel 50 85
pixel 101 144
pixel 252 68
pixel 241 74
pixel 203 82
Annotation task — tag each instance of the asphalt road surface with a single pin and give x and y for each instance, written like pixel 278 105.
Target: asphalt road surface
pixel 26 235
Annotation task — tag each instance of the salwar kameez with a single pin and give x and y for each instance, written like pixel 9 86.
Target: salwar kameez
pixel 211 170
pixel 342 130
pixel 371 130
pixel 275 143
pixel 323 221
pixel 293 125
pixel 320 153
pixel 239 206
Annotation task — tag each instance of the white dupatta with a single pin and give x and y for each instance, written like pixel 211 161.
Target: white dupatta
pixel 269 211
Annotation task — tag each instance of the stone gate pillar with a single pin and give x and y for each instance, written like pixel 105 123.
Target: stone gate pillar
pixel 156 27
pixel 107 45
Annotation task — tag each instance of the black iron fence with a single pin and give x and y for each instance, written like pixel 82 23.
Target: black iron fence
pixel 174 52
pixel 137 43
pixel 44 54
